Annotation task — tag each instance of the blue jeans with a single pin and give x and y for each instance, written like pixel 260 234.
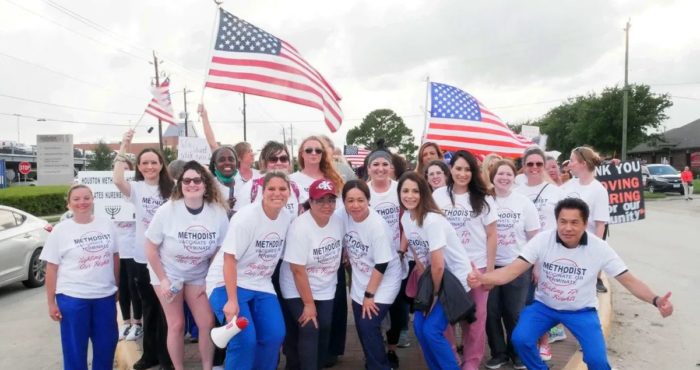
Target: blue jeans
pixel 430 331
pixel 86 320
pixel 306 346
pixel 370 333
pixel 537 318
pixel 258 345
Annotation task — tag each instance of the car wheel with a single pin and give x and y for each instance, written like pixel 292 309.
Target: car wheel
pixel 37 271
pixel 652 189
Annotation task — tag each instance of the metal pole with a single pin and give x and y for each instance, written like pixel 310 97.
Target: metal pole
pixel 245 136
pixel 625 94
pixel 184 94
pixel 160 123
pixel 291 144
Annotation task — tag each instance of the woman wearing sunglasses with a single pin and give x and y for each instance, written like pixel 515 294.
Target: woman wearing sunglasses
pixel 437 245
pixel 309 275
pixel 186 232
pixel 471 211
pixel 150 188
pixel 315 163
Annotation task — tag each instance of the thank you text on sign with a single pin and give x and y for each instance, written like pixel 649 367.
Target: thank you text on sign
pixel 625 190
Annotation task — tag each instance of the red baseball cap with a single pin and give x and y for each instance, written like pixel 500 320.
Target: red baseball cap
pixel 321 188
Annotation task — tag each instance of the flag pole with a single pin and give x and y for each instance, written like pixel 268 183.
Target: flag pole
pixel 425 108
pixel 139 121
pixel 211 50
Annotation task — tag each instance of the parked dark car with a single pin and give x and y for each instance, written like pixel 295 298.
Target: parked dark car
pixel 662 178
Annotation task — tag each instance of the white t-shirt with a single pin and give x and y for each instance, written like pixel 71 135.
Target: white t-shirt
pixel 568 275
pixel 435 234
pixel 471 228
pixel 595 195
pixel 319 249
pixel 520 179
pixel 516 216
pixel 257 242
pixel 255 194
pixel 187 242
pixel 226 193
pixel 125 238
pixel 239 179
pixel 369 243
pixel 546 202
pixel 84 254
pixel 387 205
pixel 304 181
pixel 146 200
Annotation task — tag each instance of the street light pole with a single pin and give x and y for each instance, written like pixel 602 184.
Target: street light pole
pixel 18 132
pixel 625 94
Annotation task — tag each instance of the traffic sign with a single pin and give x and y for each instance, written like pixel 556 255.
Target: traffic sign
pixel 25 168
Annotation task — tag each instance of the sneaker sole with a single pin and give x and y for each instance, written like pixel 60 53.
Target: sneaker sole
pixel 496 366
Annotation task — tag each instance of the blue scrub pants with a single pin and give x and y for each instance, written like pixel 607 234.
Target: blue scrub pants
pixel 370 333
pixel 430 331
pixel 258 345
pixel 536 319
pixel 86 320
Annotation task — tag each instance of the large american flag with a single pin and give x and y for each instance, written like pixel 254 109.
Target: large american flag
pixel 160 105
pixel 355 155
pixel 250 60
pixel 459 121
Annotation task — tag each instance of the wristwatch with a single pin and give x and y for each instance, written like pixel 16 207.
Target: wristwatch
pixel 368 294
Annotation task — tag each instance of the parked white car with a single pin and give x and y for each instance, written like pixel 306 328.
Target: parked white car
pixel 22 236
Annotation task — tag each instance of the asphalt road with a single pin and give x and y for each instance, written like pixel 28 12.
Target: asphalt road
pixel 664 251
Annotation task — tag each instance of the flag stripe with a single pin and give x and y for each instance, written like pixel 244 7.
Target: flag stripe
pixel 160 105
pixel 469 127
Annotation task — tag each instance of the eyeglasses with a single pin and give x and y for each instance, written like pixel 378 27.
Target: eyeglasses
pixel 313 150
pixel 195 180
pixel 280 159
pixel 533 164
pixel 324 200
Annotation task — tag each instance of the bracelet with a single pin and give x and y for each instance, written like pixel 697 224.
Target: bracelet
pixel 368 294
pixel 118 159
pixel 653 301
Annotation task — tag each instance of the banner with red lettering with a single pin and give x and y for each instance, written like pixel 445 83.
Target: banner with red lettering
pixel 625 190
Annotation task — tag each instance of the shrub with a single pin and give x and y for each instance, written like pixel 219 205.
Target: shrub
pixel 37 200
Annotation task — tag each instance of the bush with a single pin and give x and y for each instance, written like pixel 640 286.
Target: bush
pixel 37 200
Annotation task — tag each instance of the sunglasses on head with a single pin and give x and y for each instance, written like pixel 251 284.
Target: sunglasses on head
pixel 276 159
pixel 533 164
pixel 195 180
pixel 313 150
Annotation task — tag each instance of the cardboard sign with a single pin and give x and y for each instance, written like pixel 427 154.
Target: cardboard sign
pixel 108 200
pixel 625 190
pixel 193 149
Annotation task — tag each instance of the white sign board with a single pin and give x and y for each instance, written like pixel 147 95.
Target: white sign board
pixel 109 201
pixel 529 131
pixel 193 149
pixel 54 159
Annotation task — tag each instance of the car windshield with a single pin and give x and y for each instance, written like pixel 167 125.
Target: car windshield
pixel 662 170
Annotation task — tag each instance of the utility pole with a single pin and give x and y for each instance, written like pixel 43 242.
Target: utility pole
pixel 291 144
pixel 284 136
pixel 245 136
pixel 160 123
pixel 625 94
pixel 184 94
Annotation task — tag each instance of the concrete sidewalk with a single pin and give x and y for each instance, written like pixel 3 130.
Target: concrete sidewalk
pixel 565 354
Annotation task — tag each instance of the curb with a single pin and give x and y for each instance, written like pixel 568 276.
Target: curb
pixel 605 315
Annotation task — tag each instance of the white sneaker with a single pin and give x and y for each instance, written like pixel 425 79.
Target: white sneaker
pixel 556 334
pixel 136 332
pixel 217 368
pixel 124 330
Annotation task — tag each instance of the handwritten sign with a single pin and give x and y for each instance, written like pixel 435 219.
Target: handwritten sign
pixel 625 190
pixel 193 149
pixel 108 200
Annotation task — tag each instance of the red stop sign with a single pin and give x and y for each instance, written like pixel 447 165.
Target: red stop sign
pixel 25 168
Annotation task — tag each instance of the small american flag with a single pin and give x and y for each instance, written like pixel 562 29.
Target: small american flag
pixel 355 155
pixel 459 121
pixel 160 106
pixel 249 60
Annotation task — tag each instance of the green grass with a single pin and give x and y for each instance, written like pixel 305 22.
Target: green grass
pixel 649 195
pixel 32 190
pixel 696 186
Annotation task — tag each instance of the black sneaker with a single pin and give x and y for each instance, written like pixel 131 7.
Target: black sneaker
pixel 331 361
pixel 393 359
pixel 143 364
pixel 600 287
pixel 496 362
pixel 517 364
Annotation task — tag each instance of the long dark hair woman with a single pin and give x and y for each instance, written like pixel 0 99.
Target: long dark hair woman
pixel 435 244
pixel 470 208
pixel 151 187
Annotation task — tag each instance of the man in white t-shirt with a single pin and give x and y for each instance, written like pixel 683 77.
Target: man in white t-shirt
pixel 569 260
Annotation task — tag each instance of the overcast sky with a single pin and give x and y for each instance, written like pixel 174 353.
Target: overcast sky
pixel 89 60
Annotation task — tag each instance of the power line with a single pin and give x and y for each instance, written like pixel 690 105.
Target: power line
pixel 685 97
pixel 56 120
pixel 66 106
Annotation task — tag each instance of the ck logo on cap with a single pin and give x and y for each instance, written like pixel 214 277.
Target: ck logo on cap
pixel 325 185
